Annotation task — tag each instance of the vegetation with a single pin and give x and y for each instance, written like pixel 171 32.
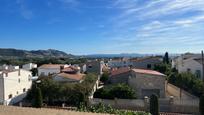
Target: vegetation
pixel 54 93
pixel 100 108
pixel 37 101
pixel 121 91
pixel 201 105
pixel 154 105
pixel 104 77
pixel 166 58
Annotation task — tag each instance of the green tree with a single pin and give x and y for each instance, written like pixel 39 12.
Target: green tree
pixel 37 101
pixel 201 105
pixel 34 71
pixel 154 105
pixel 166 58
pixel 104 77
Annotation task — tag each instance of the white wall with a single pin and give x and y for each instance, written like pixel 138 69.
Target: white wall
pixel 15 83
pixel 47 71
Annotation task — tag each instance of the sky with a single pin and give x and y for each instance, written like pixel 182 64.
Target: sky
pixel 103 26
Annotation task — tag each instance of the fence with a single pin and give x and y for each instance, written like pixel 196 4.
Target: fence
pixel 166 105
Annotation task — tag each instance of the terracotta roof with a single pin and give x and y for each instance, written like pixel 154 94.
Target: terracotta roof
pixel 51 66
pixel 120 71
pixel 70 69
pixel 72 76
pixel 151 72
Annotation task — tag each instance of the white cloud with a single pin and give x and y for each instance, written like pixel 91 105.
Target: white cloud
pixel 24 10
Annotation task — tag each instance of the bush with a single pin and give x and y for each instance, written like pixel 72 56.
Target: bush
pixel 154 105
pixel 201 105
pixel 37 101
pixel 121 91
pixel 104 77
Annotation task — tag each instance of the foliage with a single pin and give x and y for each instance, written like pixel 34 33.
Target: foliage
pixel 188 82
pixel 54 93
pixel 163 68
pixel 166 58
pixel 104 77
pixel 201 105
pixel 37 101
pixel 34 71
pixel 154 105
pixel 101 108
pixel 121 91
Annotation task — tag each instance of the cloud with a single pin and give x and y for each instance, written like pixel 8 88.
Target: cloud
pixel 25 12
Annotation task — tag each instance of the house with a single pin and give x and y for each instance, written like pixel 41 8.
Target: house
pixel 14 85
pixel 146 62
pixel 29 66
pixel 144 82
pixel 69 74
pixel 94 66
pixel 189 63
pixel 8 67
pixel 123 62
pixel 49 69
pixel 142 63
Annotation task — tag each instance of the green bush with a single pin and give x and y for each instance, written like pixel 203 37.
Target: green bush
pixel 104 77
pixel 121 91
pixel 154 105
pixel 37 101
pixel 201 105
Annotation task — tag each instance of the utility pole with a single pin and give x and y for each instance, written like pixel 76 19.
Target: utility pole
pixel 202 64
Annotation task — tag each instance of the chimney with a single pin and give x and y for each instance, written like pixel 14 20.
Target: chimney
pixel 202 65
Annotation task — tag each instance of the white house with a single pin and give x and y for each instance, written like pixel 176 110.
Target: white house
pixel 124 62
pixel 14 85
pixel 29 66
pixel 189 63
pixel 48 69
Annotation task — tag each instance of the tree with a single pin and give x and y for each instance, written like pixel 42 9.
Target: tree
pixel 104 77
pixel 37 101
pixel 34 71
pixel 201 105
pixel 166 58
pixel 154 105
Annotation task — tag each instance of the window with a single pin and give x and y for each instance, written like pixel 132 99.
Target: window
pixel 188 70
pixel 198 74
pixel 19 80
pixel 29 78
pixel 17 92
pixel 149 66
pixel 24 89
pixel 10 96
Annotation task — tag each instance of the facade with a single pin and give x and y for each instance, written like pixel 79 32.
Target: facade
pixel 49 69
pixel 141 63
pixel 144 82
pixel 95 67
pixel 29 66
pixel 14 85
pixel 146 63
pixel 189 63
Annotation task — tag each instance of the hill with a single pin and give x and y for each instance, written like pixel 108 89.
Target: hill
pixel 34 53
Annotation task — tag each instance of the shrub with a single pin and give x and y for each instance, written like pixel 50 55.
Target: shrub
pixel 154 105
pixel 104 77
pixel 37 102
pixel 121 91
pixel 201 105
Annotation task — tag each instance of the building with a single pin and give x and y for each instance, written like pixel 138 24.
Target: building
pixel 8 67
pixel 146 63
pixel 95 67
pixel 117 63
pixel 14 85
pixel 29 66
pixel 189 63
pixel 141 63
pixel 144 82
pixel 49 69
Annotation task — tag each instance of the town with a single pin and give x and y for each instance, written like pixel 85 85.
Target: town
pixel 156 84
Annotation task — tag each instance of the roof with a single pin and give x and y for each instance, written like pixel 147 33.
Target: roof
pixel 120 71
pixel 71 76
pixel 46 66
pixel 150 72
pixel 199 60
pixel 70 69
pixel 146 58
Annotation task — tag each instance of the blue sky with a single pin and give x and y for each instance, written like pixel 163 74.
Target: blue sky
pixel 103 26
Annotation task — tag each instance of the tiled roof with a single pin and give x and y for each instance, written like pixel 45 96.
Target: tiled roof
pixel 47 66
pixel 70 69
pixel 72 76
pixel 151 72
pixel 120 71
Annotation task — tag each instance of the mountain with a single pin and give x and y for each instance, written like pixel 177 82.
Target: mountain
pixel 34 53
